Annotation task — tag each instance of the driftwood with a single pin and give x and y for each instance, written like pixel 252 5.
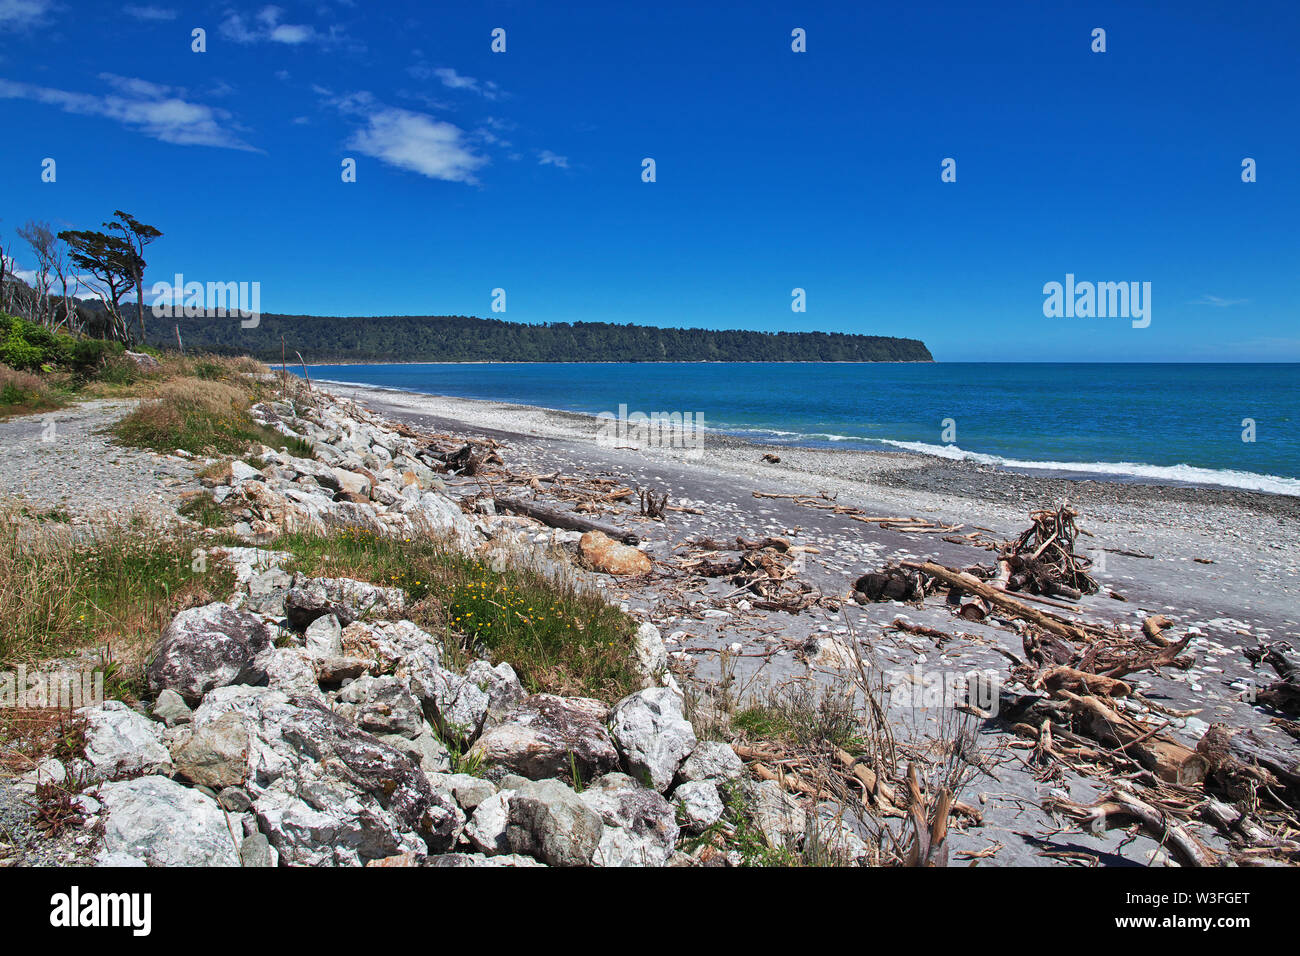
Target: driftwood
pixel 968 582
pixel 1042 559
pixel 1284 694
pixel 562 519
pixel 1119 809
pixel 1164 756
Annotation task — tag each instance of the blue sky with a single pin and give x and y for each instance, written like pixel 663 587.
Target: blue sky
pixel 775 169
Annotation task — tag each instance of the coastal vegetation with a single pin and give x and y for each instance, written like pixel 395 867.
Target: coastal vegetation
pixel 459 338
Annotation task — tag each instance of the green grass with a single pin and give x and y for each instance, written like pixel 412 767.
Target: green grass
pixel 203 417
pixel 119 589
pixel 557 640
pixel 204 509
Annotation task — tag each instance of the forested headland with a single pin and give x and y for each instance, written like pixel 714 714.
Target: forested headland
pixel 460 338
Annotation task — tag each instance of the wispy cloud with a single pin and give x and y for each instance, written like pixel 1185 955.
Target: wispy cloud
pixel 548 158
pixel 411 140
pixel 18 14
pixel 268 26
pixel 456 81
pixel 1217 301
pixel 149 13
pixel 161 112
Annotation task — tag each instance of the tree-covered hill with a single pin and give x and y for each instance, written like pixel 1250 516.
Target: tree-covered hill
pixel 460 338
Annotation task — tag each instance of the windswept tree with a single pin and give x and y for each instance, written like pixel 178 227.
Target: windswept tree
pixel 111 263
pixel 136 235
pixel 44 246
pixel 4 283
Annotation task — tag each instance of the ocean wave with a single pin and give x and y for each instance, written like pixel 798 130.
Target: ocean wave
pixel 1182 474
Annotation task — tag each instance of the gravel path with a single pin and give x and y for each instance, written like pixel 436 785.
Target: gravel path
pixel 65 460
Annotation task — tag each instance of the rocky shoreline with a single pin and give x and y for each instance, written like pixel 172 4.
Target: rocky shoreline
pixel 307 720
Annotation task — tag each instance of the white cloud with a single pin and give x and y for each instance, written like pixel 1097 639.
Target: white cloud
pixel 548 158
pixel 160 112
pixel 149 13
pixel 23 13
pixel 410 140
pixel 455 81
pixel 1217 301
pixel 266 27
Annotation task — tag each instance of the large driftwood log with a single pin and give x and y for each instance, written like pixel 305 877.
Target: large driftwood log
pixel 1166 757
pixel 968 582
pixel 563 519
pixel 1120 809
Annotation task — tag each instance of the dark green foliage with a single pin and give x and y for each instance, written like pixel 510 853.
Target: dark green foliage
pixel 467 339
pixel 28 347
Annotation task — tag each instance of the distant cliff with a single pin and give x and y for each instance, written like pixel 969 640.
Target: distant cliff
pixel 459 338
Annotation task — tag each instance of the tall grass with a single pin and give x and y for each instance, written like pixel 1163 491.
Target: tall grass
pixel 118 589
pixel 558 639
pixel 202 416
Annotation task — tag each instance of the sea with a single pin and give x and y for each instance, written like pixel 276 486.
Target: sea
pixel 1230 425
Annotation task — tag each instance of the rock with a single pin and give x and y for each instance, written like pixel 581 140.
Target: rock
pixel 324 823
pixel 399 860
pixel 292 670
pixel 163 823
pixel 829 653
pixel 541 736
pixel 48 771
pixel 346 599
pixel 713 761
pixel 390 646
pixel 500 683
pixel 207 647
pixel 842 836
pixel 327 792
pixel 698 805
pixel 775 813
pixel 639 825
pixel 335 670
pixel 602 553
pixel 256 850
pixel 454 704
pixel 118 860
pixel 120 742
pixel 486 829
pixel 235 799
pixel 652 735
pixel 324 637
pixel 426 750
pixel 384 705
pixel 549 821
pixel 652 658
pixel 215 755
pixel 437 514
pixel 171 709
pixel 352 482
pixel 242 471
pixel 142 360
pixel 470 791
pixel 475 859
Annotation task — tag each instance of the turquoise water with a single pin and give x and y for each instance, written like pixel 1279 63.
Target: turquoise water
pixel 1163 422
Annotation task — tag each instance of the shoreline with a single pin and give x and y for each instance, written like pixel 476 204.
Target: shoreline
pixel 1061 473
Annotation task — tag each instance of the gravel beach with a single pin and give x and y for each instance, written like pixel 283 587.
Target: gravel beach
pixel 1223 564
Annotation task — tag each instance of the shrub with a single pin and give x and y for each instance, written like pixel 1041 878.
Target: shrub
pixel 19 353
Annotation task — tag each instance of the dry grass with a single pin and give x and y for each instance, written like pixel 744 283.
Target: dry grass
pixel 115 591
pixel 202 416
pixel 22 393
